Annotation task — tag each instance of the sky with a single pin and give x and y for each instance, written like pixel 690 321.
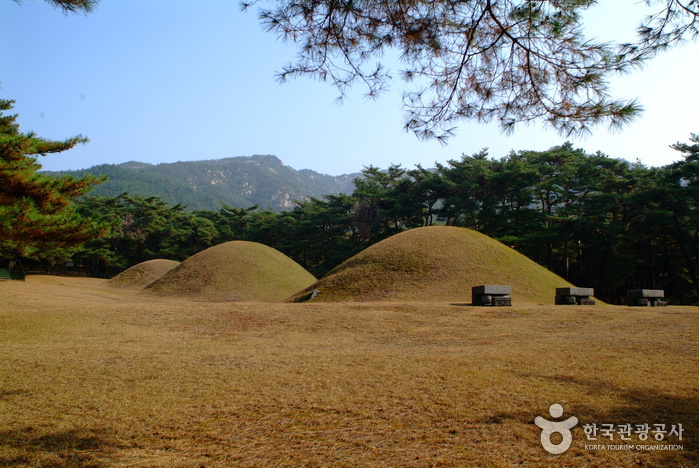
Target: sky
pixel 167 80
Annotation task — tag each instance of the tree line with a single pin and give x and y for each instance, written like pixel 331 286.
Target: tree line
pixel 594 220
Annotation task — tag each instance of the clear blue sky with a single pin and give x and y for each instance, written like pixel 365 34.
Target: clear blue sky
pixel 165 81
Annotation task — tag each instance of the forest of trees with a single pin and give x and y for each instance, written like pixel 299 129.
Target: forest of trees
pixel 594 220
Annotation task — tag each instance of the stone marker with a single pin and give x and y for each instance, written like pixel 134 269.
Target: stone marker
pixel 571 296
pixel 643 297
pixel 491 295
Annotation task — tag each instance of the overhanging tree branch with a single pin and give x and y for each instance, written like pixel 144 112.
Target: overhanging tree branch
pixel 515 61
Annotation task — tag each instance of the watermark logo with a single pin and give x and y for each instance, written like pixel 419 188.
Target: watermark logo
pixel 549 428
pixel 624 436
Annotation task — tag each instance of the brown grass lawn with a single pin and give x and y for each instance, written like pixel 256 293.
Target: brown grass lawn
pixel 92 376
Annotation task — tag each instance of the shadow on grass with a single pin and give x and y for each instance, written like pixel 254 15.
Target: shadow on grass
pixel 70 448
pixel 641 405
pixel 6 394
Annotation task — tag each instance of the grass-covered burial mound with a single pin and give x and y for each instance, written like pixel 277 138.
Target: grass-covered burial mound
pixel 141 275
pixel 234 271
pixel 436 263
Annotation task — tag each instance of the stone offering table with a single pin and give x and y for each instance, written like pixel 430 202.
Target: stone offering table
pixel 571 296
pixel 643 297
pixel 491 295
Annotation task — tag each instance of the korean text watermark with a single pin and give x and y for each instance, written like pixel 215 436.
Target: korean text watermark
pixel 611 437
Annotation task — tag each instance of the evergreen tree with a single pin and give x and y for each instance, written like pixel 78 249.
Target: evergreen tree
pixel 426 190
pixel 229 222
pixel 383 206
pixel 467 186
pixel 324 233
pixel 139 229
pixel 71 6
pixel 37 216
pixel 678 198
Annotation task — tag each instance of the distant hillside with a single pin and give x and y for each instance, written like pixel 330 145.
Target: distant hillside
pixel 240 182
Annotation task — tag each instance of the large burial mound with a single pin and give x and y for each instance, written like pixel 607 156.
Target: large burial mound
pixel 234 271
pixel 437 263
pixel 141 275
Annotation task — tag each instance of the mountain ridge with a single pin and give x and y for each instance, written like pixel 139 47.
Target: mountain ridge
pixel 239 181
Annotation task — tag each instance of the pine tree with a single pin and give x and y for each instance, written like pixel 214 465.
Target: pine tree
pixel 505 60
pixel 37 219
pixel 71 6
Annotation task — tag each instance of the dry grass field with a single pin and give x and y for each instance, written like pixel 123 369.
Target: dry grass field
pixel 93 376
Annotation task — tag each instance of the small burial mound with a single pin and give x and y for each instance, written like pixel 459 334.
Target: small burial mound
pixel 234 271
pixel 435 264
pixel 141 275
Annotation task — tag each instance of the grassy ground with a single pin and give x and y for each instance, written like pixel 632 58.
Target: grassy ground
pixel 92 376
